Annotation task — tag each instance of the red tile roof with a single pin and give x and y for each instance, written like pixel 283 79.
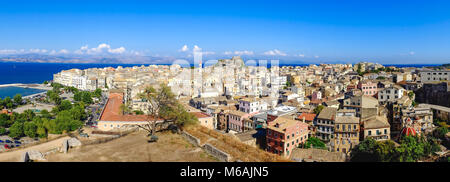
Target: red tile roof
pixel 308 116
pixel 200 115
pixel 112 111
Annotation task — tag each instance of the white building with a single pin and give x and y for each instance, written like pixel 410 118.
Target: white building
pixel 390 94
pixel 251 105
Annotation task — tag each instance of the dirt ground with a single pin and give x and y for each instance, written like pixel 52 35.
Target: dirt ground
pixel 15 156
pixel 135 148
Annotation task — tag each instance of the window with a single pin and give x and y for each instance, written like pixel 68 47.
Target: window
pixel 385 131
pixel 369 133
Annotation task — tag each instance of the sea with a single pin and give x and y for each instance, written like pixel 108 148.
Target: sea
pixel 15 72
pixel 12 91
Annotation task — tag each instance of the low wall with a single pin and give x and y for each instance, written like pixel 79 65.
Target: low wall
pixel 219 154
pixel 209 148
pixel 191 139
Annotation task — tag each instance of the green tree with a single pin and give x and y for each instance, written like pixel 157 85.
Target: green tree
pixel 440 132
pixel 7 102
pixel 385 151
pixel 164 106
pixel 410 95
pixel 18 99
pixel 2 131
pixel 318 109
pixel 30 129
pixel 29 114
pixel 314 143
pixel 41 132
pixel 78 112
pixel 410 149
pixel 98 93
pixel 138 112
pixel 4 120
pixel 365 151
pixel 45 114
pixel 16 130
pixel 65 105
pixel 87 98
pixel 54 96
pixel 77 96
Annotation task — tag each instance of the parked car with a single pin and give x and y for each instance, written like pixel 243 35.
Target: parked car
pixel 8 141
pixel 6 146
pixel 1 141
pixel 17 142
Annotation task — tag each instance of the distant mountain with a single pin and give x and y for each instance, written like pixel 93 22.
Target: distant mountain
pixel 107 59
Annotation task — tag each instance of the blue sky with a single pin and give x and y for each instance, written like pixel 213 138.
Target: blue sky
pixel 389 32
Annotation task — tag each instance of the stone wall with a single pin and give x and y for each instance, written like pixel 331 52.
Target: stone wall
pixel 219 154
pixel 437 94
pixel 191 139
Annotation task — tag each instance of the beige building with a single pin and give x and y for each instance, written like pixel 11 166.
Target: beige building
pixel 206 120
pixel 346 132
pixel 377 128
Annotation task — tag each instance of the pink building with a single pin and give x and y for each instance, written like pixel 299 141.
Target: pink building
pixel 283 135
pixel 316 95
pixel 239 121
pixel 368 88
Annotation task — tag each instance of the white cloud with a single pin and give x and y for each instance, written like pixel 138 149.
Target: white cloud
pixel 245 52
pixel 63 51
pixel 196 48
pixel 184 48
pixel 316 56
pixel 301 55
pixel 275 52
pixel 412 53
pixel 100 49
pixel 119 50
pixel 37 51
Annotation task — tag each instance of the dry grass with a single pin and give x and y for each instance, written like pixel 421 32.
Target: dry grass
pixel 135 148
pixel 234 147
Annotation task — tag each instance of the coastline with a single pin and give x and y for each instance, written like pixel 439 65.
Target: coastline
pixel 42 89
pixel 27 85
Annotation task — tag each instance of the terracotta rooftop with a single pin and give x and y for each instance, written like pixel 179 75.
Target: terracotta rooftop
pixel 307 116
pixel 112 111
pixel 200 115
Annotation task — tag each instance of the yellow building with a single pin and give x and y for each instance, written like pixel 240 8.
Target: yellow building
pixel 346 131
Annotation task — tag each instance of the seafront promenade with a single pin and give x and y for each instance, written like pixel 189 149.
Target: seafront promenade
pixel 28 85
